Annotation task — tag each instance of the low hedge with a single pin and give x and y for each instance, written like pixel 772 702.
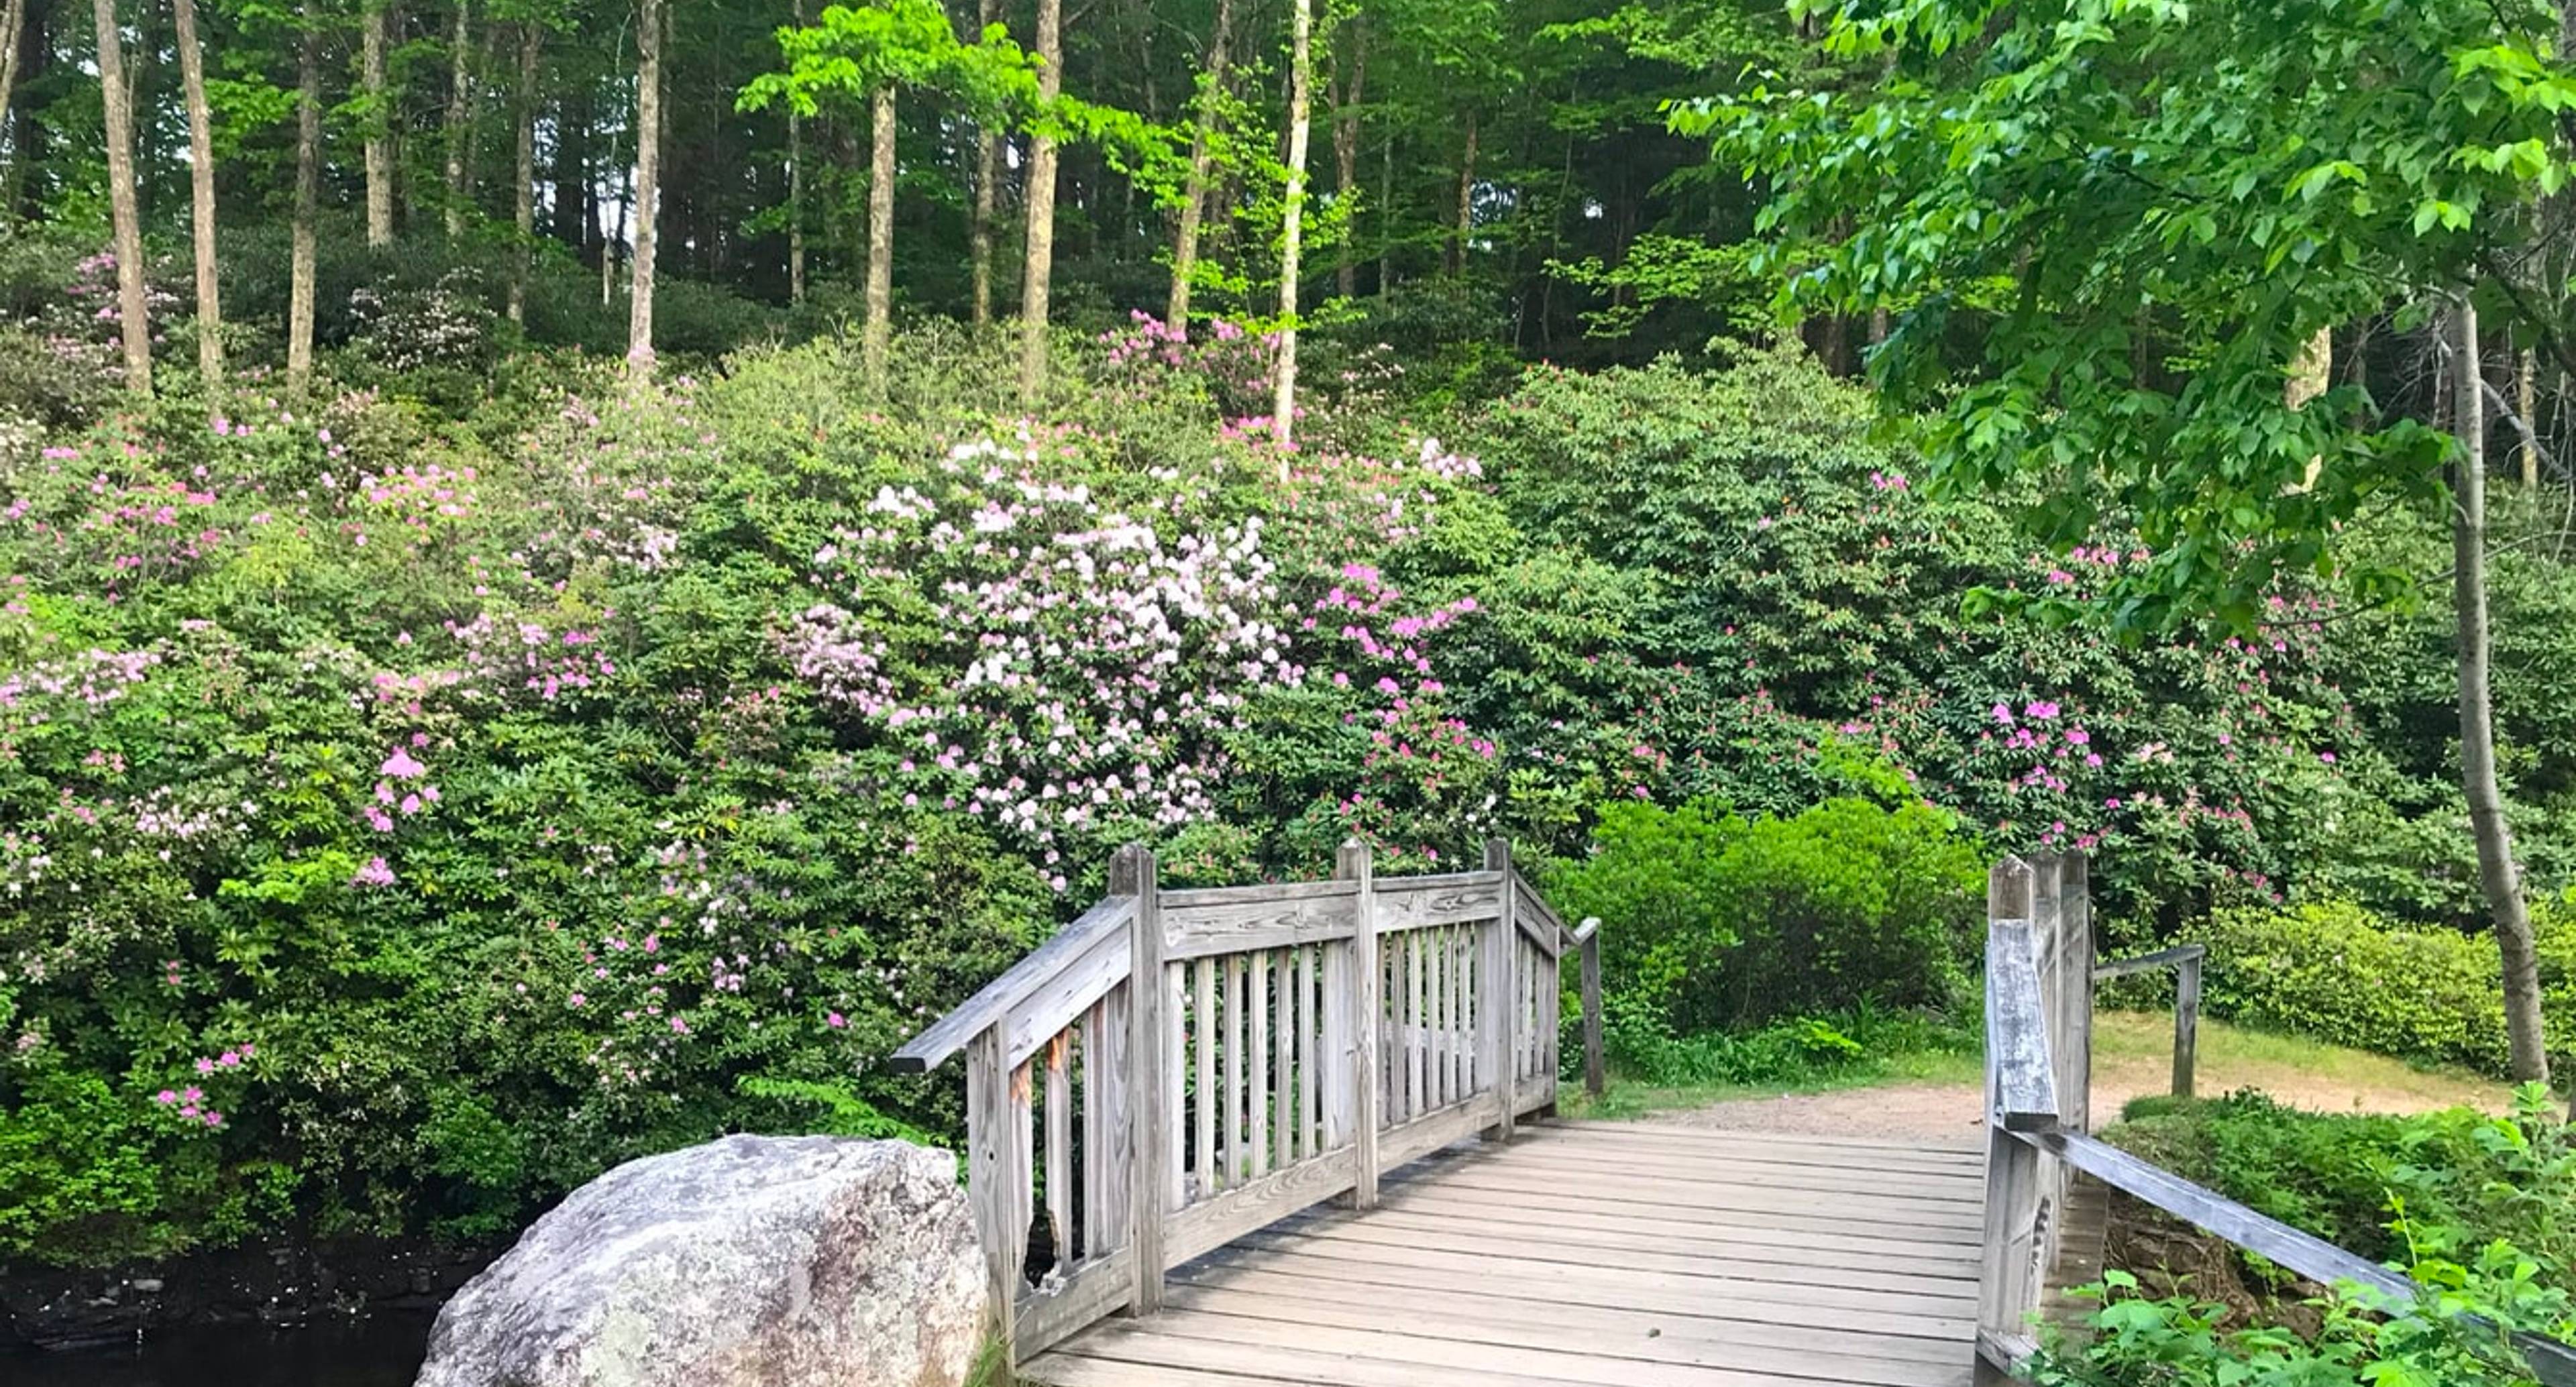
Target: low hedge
pixel 2342 974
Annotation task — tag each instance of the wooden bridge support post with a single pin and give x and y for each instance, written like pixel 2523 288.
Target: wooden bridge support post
pixel 1595 1071
pixel 1362 1013
pixel 2016 1038
pixel 1147 1144
pixel 997 1170
pixel 1498 1007
pixel 2186 1024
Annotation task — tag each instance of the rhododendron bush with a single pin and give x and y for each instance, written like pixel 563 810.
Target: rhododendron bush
pixel 402 817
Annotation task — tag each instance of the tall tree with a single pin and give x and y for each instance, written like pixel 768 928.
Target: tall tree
pixel 1301 65
pixel 2313 207
pixel 2498 875
pixel 133 304
pixel 1465 226
pixel 460 117
pixel 988 176
pixel 877 333
pixel 378 94
pixel 796 191
pixel 1185 240
pixel 1346 150
pixel 308 202
pixel 201 193
pixel 523 190
pixel 13 28
pixel 648 184
pixel 1037 276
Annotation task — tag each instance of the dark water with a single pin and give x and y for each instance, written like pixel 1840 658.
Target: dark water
pixel 383 1350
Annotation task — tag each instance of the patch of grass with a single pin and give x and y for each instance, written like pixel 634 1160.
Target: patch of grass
pixel 1629 1097
pixel 2133 1057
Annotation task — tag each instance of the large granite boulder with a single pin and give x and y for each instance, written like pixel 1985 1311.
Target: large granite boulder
pixel 746 1262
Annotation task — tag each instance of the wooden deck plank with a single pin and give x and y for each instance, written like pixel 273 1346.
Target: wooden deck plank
pixel 1468 1319
pixel 1585 1255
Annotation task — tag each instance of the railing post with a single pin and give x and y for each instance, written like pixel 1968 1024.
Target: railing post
pixel 1146 1144
pixel 997 1171
pixel 2008 1263
pixel 1596 1075
pixel 2186 1023
pixel 1362 1011
pixel 1498 1048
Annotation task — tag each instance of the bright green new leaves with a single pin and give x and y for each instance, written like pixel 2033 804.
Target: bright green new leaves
pixel 853 50
pixel 2146 208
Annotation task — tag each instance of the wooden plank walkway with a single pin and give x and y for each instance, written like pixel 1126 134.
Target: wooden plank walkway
pixel 1605 1254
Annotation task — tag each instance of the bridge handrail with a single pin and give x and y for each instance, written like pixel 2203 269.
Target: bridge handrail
pixel 2039 1027
pixel 1294 1041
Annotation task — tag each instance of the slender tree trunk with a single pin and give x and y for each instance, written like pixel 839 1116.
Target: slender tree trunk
pixel 614 240
pixel 877 333
pixel 2525 400
pixel 1301 77
pixel 379 141
pixel 796 193
pixel 2497 873
pixel 648 181
pixel 133 305
pixel 988 175
pixel 1386 214
pixel 1037 276
pixel 308 202
pixel 1185 242
pixel 34 53
pixel 1346 152
pixel 13 28
pixel 201 191
pixel 1466 201
pixel 460 115
pixel 523 193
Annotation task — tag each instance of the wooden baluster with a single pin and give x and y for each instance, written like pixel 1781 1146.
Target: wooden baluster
pixel 1204 1105
pixel 1462 1054
pixel 1059 1145
pixel 1176 1050
pixel 1257 1095
pixel 1499 1046
pixel 1364 1072
pixel 1230 1160
pixel 1283 1099
pixel 1435 1018
pixel 1310 1062
pixel 1596 1076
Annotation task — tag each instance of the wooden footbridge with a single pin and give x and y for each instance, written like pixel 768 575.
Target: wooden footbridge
pixel 1306 1133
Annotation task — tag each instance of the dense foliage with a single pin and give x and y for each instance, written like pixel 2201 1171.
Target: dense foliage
pixel 2475 1207
pixel 411 802
pixel 2433 993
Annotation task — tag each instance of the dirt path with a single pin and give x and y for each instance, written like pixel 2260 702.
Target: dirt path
pixel 2132 1059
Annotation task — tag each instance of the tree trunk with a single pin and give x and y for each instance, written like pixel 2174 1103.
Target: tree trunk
pixel 796 192
pixel 133 307
pixel 523 194
pixel 13 29
pixel 648 181
pixel 379 141
pixel 1346 153
pixel 1185 243
pixel 460 116
pixel 1036 276
pixel 308 201
pixel 201 191
pixel 876 334
pixel 1386 214
pixel 2497 873
pixel 1301 75
pixel 1466 201
pixel 988 174
pixel 27 143
pixel 2525 400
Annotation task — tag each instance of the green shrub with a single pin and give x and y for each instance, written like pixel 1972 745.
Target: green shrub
pixel 1716 922
pixel 2337 972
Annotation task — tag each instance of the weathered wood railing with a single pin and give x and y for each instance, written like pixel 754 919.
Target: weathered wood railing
pixel 2039 1038
pixel 2185 960
pixel 1289 1042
